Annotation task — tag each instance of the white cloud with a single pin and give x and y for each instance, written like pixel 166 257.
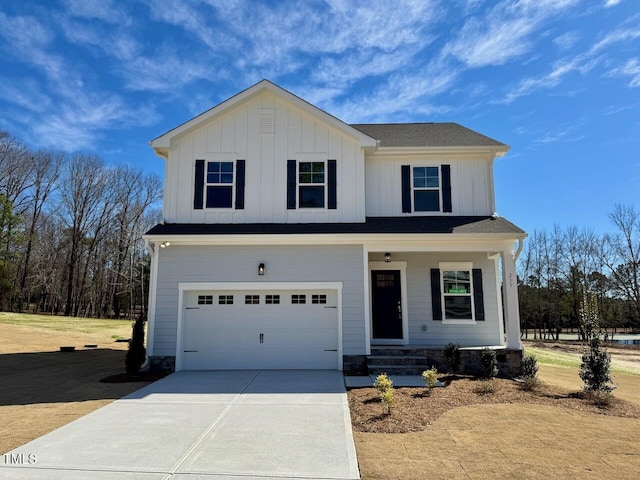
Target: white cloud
pixel 629 69
pixel 505 32
pixel 566 40
pixel 611 3
pixel 104 10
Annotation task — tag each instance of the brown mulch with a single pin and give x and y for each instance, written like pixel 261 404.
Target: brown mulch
pixel 134 377
pixel 415 408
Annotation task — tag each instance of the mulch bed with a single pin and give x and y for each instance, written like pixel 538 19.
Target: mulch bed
pixel 415 408
pixel 134 377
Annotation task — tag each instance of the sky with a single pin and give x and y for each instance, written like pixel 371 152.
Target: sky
pixel 557 80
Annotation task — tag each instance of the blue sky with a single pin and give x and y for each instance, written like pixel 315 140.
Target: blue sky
pixel 558 81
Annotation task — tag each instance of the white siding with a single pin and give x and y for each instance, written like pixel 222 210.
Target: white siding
pixel 179 264
pixel 236 135
pixel 420 311
pixel 471 183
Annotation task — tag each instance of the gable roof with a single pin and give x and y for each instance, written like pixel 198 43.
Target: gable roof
pixel 427 135
pixel 373 225
pixel 163 142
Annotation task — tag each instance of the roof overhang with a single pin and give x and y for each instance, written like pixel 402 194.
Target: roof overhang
pixel 492 151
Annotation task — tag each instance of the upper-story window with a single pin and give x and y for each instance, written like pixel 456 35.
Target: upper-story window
pixel 426 189
pixel 219 184
pixel 311 184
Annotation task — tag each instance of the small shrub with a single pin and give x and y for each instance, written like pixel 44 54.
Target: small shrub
pixel 383 383
pixel 137 353
pixel 485 387
pixel 529 372
pixel 430 377
pixel 452 356
pixel 387 399
pixel 385 387
pixel 489 362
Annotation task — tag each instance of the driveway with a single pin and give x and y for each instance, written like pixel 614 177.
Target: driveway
pixel 204 425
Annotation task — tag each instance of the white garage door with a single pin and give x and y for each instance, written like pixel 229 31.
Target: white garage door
pixel 260 329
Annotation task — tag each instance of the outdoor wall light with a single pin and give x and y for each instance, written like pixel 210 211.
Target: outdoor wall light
pixel 387 257
pixel 261 269
pixel 165 244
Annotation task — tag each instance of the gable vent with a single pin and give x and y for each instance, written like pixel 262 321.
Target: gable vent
pixel 266 123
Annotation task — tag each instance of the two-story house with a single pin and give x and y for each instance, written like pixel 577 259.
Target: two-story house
pixel 292 240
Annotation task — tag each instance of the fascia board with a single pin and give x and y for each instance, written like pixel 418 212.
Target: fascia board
pixel 400 240
pixel 493 151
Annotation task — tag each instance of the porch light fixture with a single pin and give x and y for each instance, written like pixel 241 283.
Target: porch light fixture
pixel 387 257
pixel 261 269
pixel 165 244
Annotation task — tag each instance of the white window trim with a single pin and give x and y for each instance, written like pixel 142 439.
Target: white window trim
pixel 324 185
pixel 414 189
pixel 461 266
pixel 207 184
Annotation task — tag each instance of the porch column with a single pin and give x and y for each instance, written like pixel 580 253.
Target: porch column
pixel 510 300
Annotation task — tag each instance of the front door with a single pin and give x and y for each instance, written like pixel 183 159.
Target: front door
pixel 386 304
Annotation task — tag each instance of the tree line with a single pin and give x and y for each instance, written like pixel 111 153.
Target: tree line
pixel 70 232
pixel 566 271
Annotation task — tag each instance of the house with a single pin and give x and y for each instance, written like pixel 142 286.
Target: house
pixel 292 240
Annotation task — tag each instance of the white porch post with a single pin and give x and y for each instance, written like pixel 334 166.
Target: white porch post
pixel 510 300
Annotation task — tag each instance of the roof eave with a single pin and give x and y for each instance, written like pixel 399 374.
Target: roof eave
pixel 495 150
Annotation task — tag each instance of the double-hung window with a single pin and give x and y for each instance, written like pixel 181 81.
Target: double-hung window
pixel 311 184
pixel 219 184
pixel 457 291
pixel 426 189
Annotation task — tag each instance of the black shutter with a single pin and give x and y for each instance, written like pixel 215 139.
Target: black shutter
pixel 478 294
pixel 406 189
pixel 332 190
pixel 436 299
pixel 291 184
pixel 198 186
pixel 446 188
pixel 240 173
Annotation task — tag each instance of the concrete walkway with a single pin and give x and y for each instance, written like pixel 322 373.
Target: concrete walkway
pixel 204 425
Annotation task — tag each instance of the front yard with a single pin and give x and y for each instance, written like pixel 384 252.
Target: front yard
pixel 453 433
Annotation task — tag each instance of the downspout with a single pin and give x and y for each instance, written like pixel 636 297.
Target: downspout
pixel 519 249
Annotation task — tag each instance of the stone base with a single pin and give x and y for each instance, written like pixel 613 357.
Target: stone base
pixel 354 364
pixel 162 364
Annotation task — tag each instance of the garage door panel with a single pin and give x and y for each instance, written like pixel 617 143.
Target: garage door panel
pixel 284 333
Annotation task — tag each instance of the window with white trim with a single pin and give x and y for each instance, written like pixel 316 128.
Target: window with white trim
pixel 457 291
pixel 219 185
pixel 311 184
pixel 426 189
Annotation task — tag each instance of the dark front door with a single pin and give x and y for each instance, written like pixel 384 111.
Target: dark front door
pixel 387 304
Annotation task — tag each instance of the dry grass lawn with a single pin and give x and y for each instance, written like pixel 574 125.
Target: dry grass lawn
pixel 43 388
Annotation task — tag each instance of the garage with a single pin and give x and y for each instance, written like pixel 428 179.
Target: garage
pixel 260 329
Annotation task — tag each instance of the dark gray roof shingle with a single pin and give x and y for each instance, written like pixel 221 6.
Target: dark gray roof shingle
pixel 426 135
pixel 373 225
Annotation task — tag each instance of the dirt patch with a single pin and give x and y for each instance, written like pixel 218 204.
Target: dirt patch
pixel 415 409
pixel 44 388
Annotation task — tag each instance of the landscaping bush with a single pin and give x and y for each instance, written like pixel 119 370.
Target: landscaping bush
pixel 452 356
pixel 430 377
pixel 485 387
pixel 489 362
pixel 595 369
pixel 529 372
pixel 137 353
pixel 385 387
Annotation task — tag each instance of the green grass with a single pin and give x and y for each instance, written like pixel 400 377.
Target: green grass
pixel 118 328
pixel 570 360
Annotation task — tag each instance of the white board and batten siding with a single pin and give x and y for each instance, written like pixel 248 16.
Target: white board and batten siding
pixel 297 265
pixel 471 183
pixel 236 135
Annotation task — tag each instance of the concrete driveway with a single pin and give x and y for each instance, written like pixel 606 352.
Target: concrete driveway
pixel 204 425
